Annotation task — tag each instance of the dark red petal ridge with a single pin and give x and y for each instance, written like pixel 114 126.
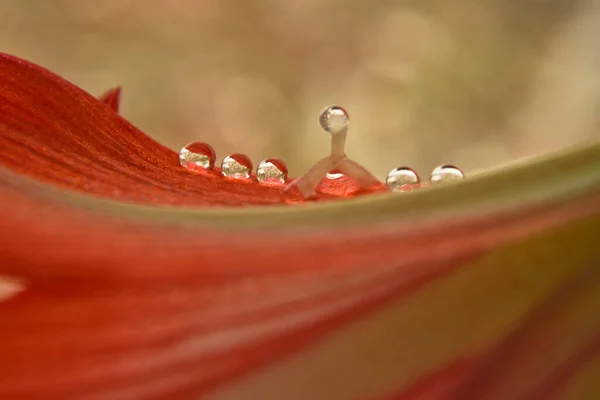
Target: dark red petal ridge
pixel 55 132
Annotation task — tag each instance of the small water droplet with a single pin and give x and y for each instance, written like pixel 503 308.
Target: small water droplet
pixel 197 156
pixel 237 166
pixel 334 119
pixel 399 178
pixel 271 170
pixel 445 173
pixel 333 175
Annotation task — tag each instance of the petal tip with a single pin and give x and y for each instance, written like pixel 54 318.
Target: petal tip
pixel 112 98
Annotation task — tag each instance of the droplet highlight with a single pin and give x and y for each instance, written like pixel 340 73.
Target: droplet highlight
pixel 445 174
pixel 334 119
pixel 402 178
pixel 334 175
pixel 272 171
pixel 197 156
pixel 237 166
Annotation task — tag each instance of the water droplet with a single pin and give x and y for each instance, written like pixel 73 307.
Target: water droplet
pixel 197 156
pixel 333 175
pixel 272 170
pixel 446 173
pixel 400 178
pixel 237 166
pixel 334 119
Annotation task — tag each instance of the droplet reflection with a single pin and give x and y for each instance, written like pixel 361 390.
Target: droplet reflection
pixel 334 119
pixel 446 173
pixel 197 156
pixel 271 170
pixel 237 166
pixel 402 177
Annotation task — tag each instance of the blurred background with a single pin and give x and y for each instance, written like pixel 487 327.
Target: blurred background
pixel 473 83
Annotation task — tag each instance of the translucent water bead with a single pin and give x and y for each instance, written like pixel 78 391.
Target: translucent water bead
pixel 446 173
pixel 402 177
pixel 197 156
pixel 334 119
pixel 236 166
pixel 271 170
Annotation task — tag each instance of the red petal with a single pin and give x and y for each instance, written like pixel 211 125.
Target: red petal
pixel 543 358
pixel 112 98
pixel 113 301
pixel 145 302
pixel 441 384
pixel 57 133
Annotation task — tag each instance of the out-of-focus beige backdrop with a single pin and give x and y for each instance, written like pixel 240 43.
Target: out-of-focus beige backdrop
pixel 474 83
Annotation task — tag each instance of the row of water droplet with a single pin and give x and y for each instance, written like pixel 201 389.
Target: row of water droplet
pixel 403 178
pixel 198 156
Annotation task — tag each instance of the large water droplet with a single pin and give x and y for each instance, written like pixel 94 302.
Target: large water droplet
pixel 446 173
pixel 271 170
pixel 197 156
pixel 334 119
pixel 237 166
pixel 402 177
